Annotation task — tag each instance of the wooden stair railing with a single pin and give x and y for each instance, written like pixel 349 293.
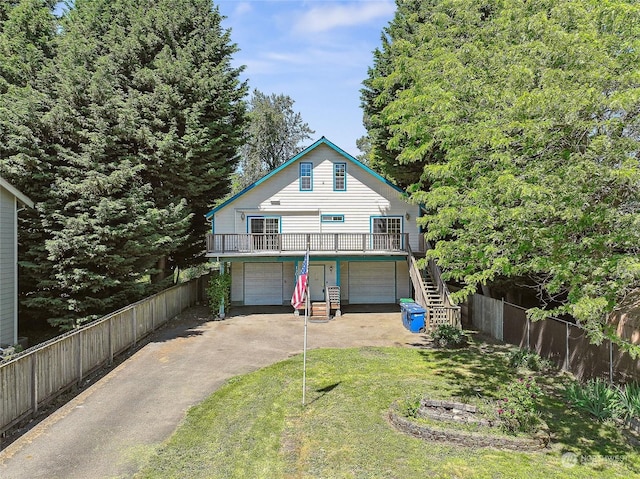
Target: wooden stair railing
pixel 432 293
pixel 330 304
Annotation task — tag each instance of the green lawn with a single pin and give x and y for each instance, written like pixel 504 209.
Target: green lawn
pixel 256 427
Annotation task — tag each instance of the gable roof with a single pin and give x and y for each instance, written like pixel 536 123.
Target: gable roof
pixel 24 199
pixel 321 141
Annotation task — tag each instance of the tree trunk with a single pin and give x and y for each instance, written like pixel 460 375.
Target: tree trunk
pixel 161 267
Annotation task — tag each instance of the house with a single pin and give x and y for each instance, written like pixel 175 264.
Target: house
pixel 11 201
pixel 358 227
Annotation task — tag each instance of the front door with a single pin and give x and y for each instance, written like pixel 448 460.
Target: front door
pixel 316 282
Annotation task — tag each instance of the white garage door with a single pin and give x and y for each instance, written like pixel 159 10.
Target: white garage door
pixel 263 283
pixel 372 282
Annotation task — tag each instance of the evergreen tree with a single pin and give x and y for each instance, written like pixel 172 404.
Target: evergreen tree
pixel 183 105
pixel 27 45
pixel 526 119
pixel 141 120
pixel 382 154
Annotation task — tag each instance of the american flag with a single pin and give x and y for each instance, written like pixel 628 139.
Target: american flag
pixel 297 300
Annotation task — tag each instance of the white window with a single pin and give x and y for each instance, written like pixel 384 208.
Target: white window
pixel 340 176
pixel 265 232
pixel 306 178
pixel 332 218
pixel 386 231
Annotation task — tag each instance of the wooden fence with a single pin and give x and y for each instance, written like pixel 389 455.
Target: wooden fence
pixel 41 373
pixel 565 344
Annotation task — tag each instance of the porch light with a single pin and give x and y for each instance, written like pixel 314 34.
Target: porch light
pixel 242 215
pixel 407 216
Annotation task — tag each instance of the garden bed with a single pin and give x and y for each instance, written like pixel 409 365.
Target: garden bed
pixel 449 413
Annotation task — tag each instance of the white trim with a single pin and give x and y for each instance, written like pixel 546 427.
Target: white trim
pixel 15 192
pixel 15 272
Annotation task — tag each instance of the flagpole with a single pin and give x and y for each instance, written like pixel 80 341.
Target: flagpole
pixel 304 349
pixel 306 317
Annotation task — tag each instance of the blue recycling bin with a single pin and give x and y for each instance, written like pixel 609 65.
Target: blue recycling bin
pixel 413 317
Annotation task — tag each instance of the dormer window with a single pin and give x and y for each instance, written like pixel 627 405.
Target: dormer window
pixel 306 176
pixel 340 176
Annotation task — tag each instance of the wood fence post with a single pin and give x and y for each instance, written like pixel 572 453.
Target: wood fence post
pixel 134 325
pixel 79 336
pixel 611 361
pixel 34 383
pixel 566 350
pixel 501 330
pixel 110 340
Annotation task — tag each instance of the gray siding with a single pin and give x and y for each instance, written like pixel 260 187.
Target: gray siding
pixel 8 261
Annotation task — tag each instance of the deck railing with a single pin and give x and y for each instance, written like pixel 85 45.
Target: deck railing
pixel 294 242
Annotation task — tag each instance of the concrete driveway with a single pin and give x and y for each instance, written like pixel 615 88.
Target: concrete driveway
pixel 112 427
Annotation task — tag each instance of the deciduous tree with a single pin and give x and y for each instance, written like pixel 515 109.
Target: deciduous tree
pixel 274 135
pixel 525 117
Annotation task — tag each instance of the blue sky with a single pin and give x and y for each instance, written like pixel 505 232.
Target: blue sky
pixel 315 51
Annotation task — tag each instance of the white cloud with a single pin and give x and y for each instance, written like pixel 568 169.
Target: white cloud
pixel 242 8
pixel 296 59
pixel 330 61
pixel 328 17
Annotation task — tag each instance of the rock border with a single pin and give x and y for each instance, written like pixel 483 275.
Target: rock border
pixel 451 411
pixel 463 438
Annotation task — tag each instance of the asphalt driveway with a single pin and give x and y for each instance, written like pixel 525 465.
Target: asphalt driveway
pixel 110 429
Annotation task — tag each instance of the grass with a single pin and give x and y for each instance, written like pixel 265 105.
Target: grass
pixel 256 427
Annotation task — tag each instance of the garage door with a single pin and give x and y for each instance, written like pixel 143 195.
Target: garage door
pixel 372 282
pixel 263 283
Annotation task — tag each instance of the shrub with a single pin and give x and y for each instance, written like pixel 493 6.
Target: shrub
pixel 219 291
pixel 596 397
pixel 628 399
pixel 529 359
pixel 446 335
pixel 517 407
pixel 409 406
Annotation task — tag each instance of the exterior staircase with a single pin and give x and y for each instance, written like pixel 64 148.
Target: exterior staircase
pixel 438 312
pixel 431 292
pixel 323 309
